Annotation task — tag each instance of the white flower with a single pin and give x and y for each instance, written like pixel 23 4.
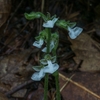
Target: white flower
pixel 51 47
pixel 50 23
pixel 74 32
pixel 37 76
pixel 39 43
pixel 50 68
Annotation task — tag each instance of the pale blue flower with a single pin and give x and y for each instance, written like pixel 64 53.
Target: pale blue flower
pixel 48 66
pixel 37 76
pixel 38 43
pixel 50 23
pixel 51 68
pixel 74 32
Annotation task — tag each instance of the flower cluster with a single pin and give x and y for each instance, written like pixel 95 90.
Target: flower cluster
pixel 48 63
pixel 49 42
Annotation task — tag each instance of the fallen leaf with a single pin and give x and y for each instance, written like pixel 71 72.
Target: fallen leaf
pixel 87 50
pixel 13 69
pixel 82 86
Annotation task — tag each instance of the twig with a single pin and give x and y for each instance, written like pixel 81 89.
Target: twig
pixel 19 87
pixel 82 87
pixel 66 83
pixel 63 86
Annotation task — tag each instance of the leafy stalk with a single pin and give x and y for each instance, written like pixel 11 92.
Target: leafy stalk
pixel 46 75
pixel 49 23
pixel 56 75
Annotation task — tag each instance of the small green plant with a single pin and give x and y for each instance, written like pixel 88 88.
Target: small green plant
pixel 48 64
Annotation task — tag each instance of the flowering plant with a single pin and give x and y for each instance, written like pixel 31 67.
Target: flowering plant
pixel 48 64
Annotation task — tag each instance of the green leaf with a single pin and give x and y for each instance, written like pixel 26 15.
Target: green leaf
pixel 72 24
pixel 32 15
pixel 43 61
pixel 37 68
pixel 42 35
pixel 47 57
pixel 61 23
pixel 65 24
pixel 53 59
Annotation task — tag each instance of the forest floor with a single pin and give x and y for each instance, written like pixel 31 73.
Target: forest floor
pixel 79 59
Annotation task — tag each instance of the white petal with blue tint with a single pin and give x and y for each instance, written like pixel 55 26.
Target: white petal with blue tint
pixel 44 49
pixel 51 68
pixel 37 76
pixel 74 32
pixel 50 23
pixel 39 43
pixel 51 47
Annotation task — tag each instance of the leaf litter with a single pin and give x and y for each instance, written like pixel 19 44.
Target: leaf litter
pixel 79 57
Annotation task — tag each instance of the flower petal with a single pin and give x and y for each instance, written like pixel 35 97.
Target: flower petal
pixel 37 76
pixel 38 44
pixel 51 68
pixel 51 45
pixel 50 23
pixel 73 33
pixel 44 49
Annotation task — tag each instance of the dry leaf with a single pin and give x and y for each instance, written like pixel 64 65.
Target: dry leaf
pixel 13 71
pixel 82 86
pixel 87 50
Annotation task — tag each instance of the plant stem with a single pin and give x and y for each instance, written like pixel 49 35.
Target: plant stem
pixel 48 41
pixel 56 75
pixel 57 86
pixel 46 87
pixel 46 75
